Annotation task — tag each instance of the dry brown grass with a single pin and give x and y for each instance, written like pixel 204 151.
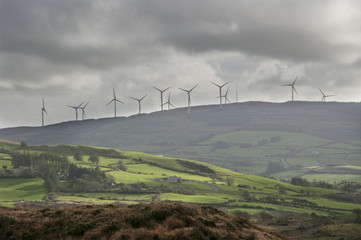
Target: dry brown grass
pixel 152 221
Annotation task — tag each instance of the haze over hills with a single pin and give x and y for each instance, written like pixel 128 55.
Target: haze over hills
pixel 196 135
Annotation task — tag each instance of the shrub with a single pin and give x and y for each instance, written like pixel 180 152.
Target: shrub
pixel 94 158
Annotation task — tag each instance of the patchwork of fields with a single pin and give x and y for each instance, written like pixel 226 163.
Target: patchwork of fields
pixel 201 184
pixel 290 154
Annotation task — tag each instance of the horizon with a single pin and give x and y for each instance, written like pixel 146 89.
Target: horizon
pixel 216 105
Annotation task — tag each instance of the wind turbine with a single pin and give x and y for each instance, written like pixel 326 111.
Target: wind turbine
pixel 189 96
pixel 161 96
pixel 139 100
pixel 292 85
pixel 225 96
pixel 324 96
pixel 76 110
pixel 115 100
pixel 83 111
pixel 220 91
pixel 42 113
pixel 168 102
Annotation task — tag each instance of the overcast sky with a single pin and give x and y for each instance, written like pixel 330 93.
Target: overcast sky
pixel 74 51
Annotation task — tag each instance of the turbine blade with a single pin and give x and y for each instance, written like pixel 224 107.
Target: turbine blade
pixel 172 105
pixel 166 89
pixel 80 104
pixel 295 80
pixel 216 84
pixel 193 88
pixel 143 97
pixel 157 89
pixel 224 84
pixel 119 101
pixel 136 99
pixel 86 105
pixel 287 85
pixel 45 111
pixel 295 90
pixel 321 91
pixel 114 94
pixel 71 106
pixel 110 102
pixel 183 89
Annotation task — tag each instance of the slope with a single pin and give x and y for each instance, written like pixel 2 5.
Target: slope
pixel 331 129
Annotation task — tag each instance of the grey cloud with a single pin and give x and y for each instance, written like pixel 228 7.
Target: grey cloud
pixel 74 50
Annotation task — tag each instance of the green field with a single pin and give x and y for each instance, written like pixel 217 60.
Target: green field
pixel 14 190
pixel 252 151
pixel 142 180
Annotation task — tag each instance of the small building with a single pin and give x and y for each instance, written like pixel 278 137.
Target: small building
pixel 315 153
pixel 174 179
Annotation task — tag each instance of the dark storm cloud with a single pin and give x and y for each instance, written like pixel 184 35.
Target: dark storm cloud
pixel 104 34
pixel 74 50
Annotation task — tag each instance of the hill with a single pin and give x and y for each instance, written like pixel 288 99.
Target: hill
pixel 282 140
pixel 154 221
pixel 45 176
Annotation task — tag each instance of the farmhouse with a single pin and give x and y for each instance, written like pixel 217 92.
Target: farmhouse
pixel 174 180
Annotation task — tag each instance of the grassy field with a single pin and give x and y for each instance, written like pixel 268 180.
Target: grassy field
pixel 14 190
pixel 203 183
pixel 252 151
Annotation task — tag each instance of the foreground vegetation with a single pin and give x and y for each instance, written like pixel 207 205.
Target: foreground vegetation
pixel 155 221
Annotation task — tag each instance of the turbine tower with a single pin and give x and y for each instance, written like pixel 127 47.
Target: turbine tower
pixel 220 91
pixel 115 100
pixel 42 114
pixel 83 111
pixel 189 96
pixel 139 101
pixel 324 96
pixel 236 91
pixel 168 102
pixel 161 96
pixel 76 110
pixel 292 85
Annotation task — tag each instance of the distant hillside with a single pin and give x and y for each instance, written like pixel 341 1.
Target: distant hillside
pixel 202 135
pixel 153 221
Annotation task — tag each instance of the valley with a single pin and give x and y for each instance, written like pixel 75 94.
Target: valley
pixel 127 178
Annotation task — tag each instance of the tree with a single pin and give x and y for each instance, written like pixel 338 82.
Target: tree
pixel 78 156
pixel 121 166
pixel 94 158
pixel 23 145
pixel 229 181
pixel 357 212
